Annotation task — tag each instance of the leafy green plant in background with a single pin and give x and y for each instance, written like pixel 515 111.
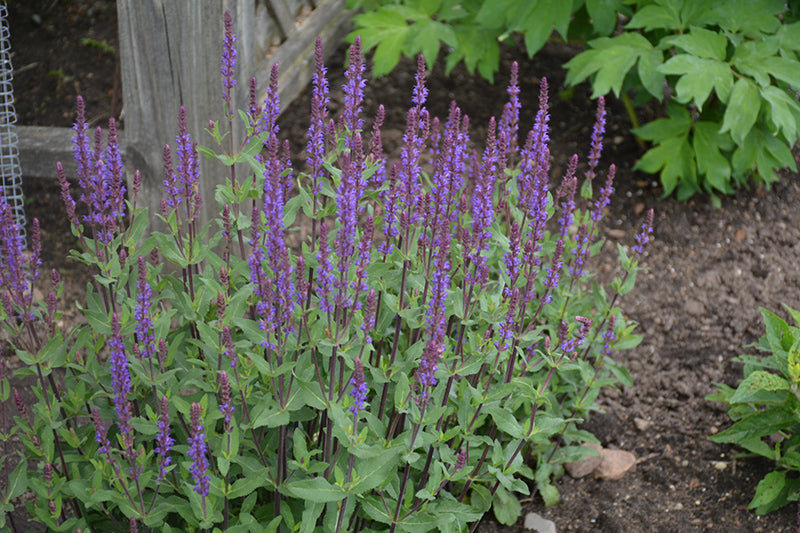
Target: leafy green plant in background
pixel 471 30
pixel 765 408
pixel 427 343
pixel 728 73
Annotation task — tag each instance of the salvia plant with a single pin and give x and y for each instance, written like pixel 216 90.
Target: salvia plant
pixel 420 352
pixel 764 408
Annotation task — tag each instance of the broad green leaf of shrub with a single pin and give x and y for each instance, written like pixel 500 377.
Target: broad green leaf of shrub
pixel 651 77
pixel 757 381
pixel 707 142
pixel 773 492
pixel 425 37
pixel 537 21
pixel 698 76
pixel 748 16
pixel 748 58
pixel 762 152
pixel 784 69
pixel 784 112
pixel 742 110
pixel 672 154
pixel 478 48
pixel 699 42
pixel 675 15
pixel 604 14
pixel 387 29
pixel 609 61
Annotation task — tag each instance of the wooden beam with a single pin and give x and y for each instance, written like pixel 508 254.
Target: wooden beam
pixel 295 57
pixel 41 148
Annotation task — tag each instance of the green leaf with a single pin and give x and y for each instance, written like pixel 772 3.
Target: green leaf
pixel 710 162
pixel 756 382
pixel 674 159
pixel 677 123
pixel 698 77
pixel 656 17
pixel 272 418
pixel 784 112
pixel 652 78
pixel 773 492
pixel 603 14
pixel 18 482
pixel 747 16
pixel 756 425
pixel 610 59
pixel 784 69
pixel 316 489
pixel 374 471
pixel 248 485
pixel 538 23
pixel 387 29
pixel 506 422
pixel 742 110
pixel 700 42
pixel 506 506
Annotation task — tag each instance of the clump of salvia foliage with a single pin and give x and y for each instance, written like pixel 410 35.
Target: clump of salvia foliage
pixel 431 345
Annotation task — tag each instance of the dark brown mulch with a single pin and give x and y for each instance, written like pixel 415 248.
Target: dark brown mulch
pixel 710 270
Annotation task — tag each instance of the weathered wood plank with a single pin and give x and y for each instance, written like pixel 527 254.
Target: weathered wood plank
pixel 40 148
pixel 170 53
pixel 283 16
pixel 295 57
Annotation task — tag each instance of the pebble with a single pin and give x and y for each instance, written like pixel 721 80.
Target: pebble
pixel 614 465
pixel 534 522
pixel 641 424
pixel 584 467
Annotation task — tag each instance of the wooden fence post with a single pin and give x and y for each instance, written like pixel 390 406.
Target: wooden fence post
pixel 170 53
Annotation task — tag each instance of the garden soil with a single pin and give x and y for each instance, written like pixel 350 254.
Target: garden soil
pixel 709 269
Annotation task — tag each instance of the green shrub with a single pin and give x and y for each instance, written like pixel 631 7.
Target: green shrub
pixel 765 408
pixel 728 73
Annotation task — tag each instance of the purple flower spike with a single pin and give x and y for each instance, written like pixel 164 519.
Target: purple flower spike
pixel 566 193
pixel 420 94
pixel 354 88
pixel 554 273
pixel 272 106
pixel 609 335
pixel 605 195
pixel 69 202
pixel 326 277
pixel 369 315
pixel 198 453
pixel 359 391
pixel 120 382
pixel 188 171
pixel 509 120
pixel 14 281
pixel 228 60
pixel 101 436
pixel 144 322
pixel 164 441
pixel 597 138
pixel 644 235
pixel 225 405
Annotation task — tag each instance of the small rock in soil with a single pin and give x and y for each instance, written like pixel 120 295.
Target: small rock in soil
pixel 614 465
pixel 534 522
pixel 584 467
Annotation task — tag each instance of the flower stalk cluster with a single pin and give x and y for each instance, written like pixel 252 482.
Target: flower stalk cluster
pixel 380 362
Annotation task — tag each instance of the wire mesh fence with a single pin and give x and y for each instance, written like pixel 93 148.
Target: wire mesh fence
pixel 10 172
